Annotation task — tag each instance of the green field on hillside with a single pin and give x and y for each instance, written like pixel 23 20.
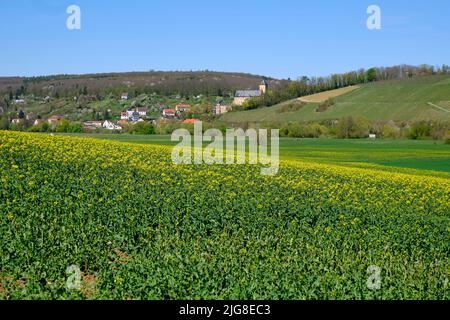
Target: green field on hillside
pixel 386 100
pixel 421 155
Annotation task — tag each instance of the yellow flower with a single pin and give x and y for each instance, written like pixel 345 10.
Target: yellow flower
pixel 118 281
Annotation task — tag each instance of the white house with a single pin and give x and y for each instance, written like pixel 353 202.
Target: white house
pixel 124 96
pixel 111 126
pixel 142 112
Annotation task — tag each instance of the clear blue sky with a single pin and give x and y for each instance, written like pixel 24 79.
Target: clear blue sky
pixel 278 38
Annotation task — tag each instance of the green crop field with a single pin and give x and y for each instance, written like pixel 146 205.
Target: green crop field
pixel 385 100
pixel 84 218
pixel 421 155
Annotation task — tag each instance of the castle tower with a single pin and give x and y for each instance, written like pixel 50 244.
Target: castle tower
pixel 264 86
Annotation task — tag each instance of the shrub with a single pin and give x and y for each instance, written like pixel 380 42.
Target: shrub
pixel 142 128
pixel 439 130
pixel 389 132
pixel 44 127
pixel 4 122
pixel 350 127
pixel 315 130
pixel 299 130
pixel 324 106
pixel 251 104
pixel 419 131
pixel 291 107
pixel 295 130
pixel 65 126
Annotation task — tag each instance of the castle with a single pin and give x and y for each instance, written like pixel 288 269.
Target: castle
pixel 242 95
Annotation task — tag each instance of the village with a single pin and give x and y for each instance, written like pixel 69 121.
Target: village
pixel 182 113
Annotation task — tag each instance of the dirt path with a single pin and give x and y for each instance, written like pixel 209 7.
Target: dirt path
pixel 323 96
pixel 436 106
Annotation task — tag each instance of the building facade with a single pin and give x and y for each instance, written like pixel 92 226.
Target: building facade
pixel 243 95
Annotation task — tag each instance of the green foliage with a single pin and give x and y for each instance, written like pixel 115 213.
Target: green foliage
pixel 389 132
pixel 4 121
pixel 440 130
pixel 304 130
pixel 174 83
pixel 350 127
pixel 324 106
pixel 65 126
pixel 291 107
pixel 252 103
pixel 142 128
pixel 371 75
pixel 419 131
pixel 43 127
pixel 17 126
pixel 106 115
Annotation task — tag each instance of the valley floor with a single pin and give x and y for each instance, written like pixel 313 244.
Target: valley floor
pixel 421 155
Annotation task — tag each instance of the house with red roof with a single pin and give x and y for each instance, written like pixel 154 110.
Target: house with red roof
pixel 54 119
pixel 183 107
pixel 169 113
pixel 190 121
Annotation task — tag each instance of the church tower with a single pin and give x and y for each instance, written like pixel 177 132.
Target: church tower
pixel 263 87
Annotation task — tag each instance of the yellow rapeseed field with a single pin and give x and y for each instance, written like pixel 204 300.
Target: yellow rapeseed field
pixel 138 226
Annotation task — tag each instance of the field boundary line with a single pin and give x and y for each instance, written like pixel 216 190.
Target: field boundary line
pixel 436 106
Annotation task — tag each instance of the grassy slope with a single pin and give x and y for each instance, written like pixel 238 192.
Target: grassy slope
pixel 421 155
pixel 387 100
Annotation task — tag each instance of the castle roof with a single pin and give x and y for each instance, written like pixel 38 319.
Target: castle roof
pixel 247 93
